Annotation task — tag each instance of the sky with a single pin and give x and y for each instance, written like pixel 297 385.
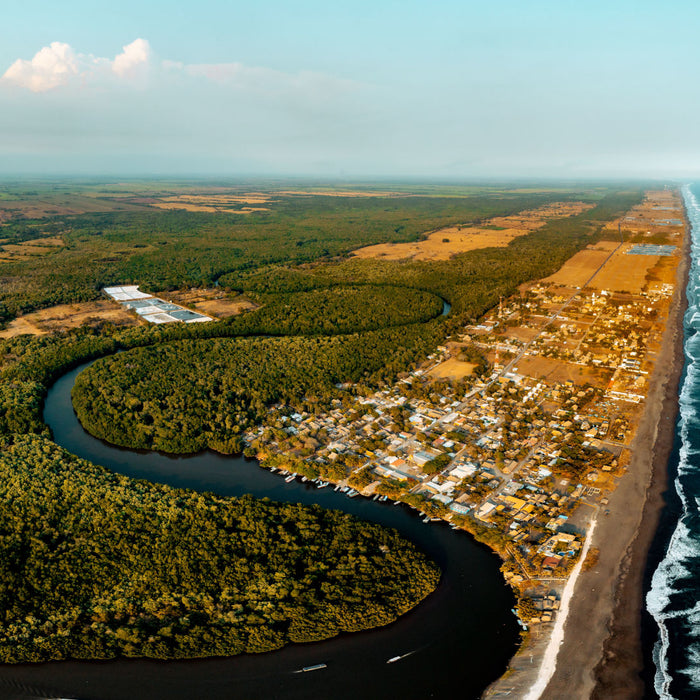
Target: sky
pixel 448 89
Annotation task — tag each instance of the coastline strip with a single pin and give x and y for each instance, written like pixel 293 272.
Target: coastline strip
pixel 549 660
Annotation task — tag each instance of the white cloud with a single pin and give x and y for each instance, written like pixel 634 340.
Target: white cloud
pixel 60 66
pixel 50 68
pixel 57 65
pixel 134 57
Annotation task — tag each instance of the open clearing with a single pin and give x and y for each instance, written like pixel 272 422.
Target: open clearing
pixel 452 369
pixel 578 269
pixel 625 273
pixel 27 249
pixel 659 218
pixel 66 316
pixel 228 203
pixel 35 207
pixel 342 193
pixel 211 301
pixel 622 273
pixel 498 232
pixel 652 222
pixel 557 371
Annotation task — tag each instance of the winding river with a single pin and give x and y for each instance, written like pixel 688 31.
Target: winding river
pixel 456 642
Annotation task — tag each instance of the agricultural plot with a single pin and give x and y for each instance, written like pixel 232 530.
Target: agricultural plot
pixel 578 270
pixel 627 270
pixel 498 233
pixel 66 316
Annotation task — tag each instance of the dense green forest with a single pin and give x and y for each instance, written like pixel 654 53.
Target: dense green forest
pixel 183 397
pixel 172 249
pixel 99 565
pixel 96 565
pixel 340 309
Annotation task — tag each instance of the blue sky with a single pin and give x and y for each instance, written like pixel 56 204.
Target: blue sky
pixel 362 89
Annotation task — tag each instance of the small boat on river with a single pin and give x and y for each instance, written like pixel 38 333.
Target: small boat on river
pixel 315 667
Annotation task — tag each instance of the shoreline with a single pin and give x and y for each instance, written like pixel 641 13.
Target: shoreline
pixel 606 661
pixel 618 673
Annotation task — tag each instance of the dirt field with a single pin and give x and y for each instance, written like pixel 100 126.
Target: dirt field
pixel 452 369
pixel 622 273
pixel 663 273
pixel 558 371
pixel 648 219
pixel 625 273
pixel 211 202
pixel 580 267
pixel 499 232
pixel 342 193
pixel 68 316
pixel 211 301
pixel 31 207
pixel 27 249
pixel 630 273
pixel 203 207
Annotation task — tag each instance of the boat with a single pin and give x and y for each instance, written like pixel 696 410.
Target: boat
pixel 337 486
pixel 315 667
pixel 273 469
pixel 394 659
pixel 352 493
pixel 290 477
pixel 383 498
pixel 303 478
pixel 375 497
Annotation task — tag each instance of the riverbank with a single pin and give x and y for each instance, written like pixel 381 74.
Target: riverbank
pixel 601 655
pixel 441 632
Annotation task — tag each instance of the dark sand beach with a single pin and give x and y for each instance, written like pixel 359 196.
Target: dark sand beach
pixel 601 655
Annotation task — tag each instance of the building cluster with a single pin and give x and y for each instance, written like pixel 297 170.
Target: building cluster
pixel 521 458
pixel 153 309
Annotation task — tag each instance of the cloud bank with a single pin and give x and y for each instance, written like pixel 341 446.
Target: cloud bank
pixel 59 66
pixel 51 67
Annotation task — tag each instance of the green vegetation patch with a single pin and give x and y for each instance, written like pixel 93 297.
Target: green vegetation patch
pixel 185 396
pixel 344 309
pixel 174 249
pixel 97 565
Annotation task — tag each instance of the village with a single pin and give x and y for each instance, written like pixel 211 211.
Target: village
pixel 515 430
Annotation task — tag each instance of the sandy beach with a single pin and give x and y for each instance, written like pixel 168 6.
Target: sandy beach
pixel 593 650
pixel 605 661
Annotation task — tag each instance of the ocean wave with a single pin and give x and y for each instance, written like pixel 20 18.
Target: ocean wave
pixel 692 667
pixel 660 602
pixel 672 598
pixel 671 570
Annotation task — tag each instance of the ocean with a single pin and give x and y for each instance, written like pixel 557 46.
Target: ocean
pixel 673 595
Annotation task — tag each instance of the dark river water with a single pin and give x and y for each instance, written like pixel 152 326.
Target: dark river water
pixel 458 640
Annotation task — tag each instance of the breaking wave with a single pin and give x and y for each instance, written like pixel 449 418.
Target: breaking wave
pixel 675 587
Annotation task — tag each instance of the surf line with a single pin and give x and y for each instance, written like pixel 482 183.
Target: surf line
pixel 549 659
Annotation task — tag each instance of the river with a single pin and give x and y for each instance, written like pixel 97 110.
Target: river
pixel 457 641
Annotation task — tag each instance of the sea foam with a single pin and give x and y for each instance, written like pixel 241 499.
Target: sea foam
pixel 673 598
